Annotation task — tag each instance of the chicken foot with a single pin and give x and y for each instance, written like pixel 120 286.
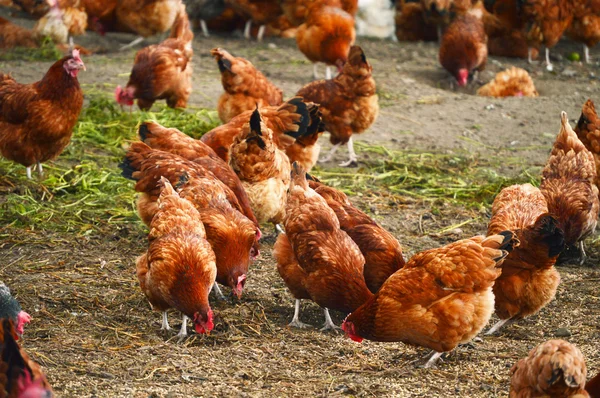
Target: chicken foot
pixel 433 360
pixel 38 167
pixel 586 54
pixel 183 331
pixel 296 319
pixel 133 43
pixel 204 28
pixel 497 326
pixel 332 151
pixel 217 290
pixel 329 325
pixel 165 321
pixel 582 255
pixel 353 160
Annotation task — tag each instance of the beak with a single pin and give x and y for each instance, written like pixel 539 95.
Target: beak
pixel 82 66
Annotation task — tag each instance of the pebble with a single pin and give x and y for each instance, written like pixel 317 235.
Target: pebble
pixel 272 46
pixel 562 332
pixel 569 72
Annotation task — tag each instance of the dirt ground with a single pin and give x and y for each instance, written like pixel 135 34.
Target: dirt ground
pixel 95 335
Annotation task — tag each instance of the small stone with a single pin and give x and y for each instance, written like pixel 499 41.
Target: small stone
pixel 569 72
pixel 272 46
pixel 490 107
pixel 562 332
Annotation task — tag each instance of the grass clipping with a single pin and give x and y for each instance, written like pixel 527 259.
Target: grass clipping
pixel 83 190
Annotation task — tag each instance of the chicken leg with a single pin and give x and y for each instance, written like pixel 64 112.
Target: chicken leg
pixel 353 160
pixel 247 29
pixel 40 170
pixel 586 54
pixel 332 151
pixel 133 43
pixel 165 321
pixel 29 172
pixel 328 72
pixel 497 326
pixel 183 331
pixel 218 292
pixel 329 325
pixel 432 361
pixel 582 255
pixel 261 32
pixel 549 66
pixel 530 55
pixel 204 28
pixel 296 319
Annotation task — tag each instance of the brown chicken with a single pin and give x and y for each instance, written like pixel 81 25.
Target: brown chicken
pixel 326 35
pixel 261 12
pixel 315 257
pixel 62 21
pixel 263 168
pixel 568 186
pixel 411 24
pixel 463 49
pixel 231 234
pixel 585 26
pixel 20 376
pixel 245 86
pixel 174 141
pixel 146 17
pixel 441 298
pixel 296 127
pixel 529 280
pixel 348 103
pixel 546 21
pixel 12 35
pixel 382 252
pixel 588 131
pixel 505 28
pixel 297 10
pixel 179 269
pixel 513 82
pixel 593 387
pixel 553 369
pixel 162 71
pixel 37 120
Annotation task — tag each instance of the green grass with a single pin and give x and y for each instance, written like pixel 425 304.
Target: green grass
pixel 83 190
pixel 47 51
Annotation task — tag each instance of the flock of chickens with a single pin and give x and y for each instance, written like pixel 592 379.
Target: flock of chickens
pixel 205 200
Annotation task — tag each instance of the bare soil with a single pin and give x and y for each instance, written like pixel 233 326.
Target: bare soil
pixel 95 335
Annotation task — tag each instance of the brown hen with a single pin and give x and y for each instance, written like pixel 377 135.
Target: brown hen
pixel 588 131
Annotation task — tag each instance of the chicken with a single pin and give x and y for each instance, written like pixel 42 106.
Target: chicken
pixel 588 132
pixel 245 86
pixel 11 309
pixel 439 299
pixel 463 49
pixel 261 12
pixel 12 35
pixel 37 120
pixel 547 20
pixel 593 387
pixel 263 168
pixel 232 236
pixel 162 71
pixel 147 17
pixel 441 12
pixel 348 103
pixel 553 369
pixel 568 186
pixel 315 257
pixel 179 269
pixel 20 376
pixel 376 18
pixel 382 252
pixel 61 22
pixel 512 44
pixel 36 8
pixel 178 143
pixel 585 26
pixel 205 10
pixel 513 82
pixel 411 24
pixel 529 280
pixel 326 35
pixel 296 127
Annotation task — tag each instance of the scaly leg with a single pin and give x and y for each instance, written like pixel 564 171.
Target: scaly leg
pixel 261 32
pixel 315 72
pixel 165 321
pixel 353 159
pixel 279 229
pixel 328 157
pixel 497 326
pixel 247 29
pixel 586 54
pixel 432 361
pixel 40 170
pixel 29 172
pixel 329 325
pixel 296 319
pixel 218 292
pixel 183 332
pixel 133 43
pixel 328 72
pixel 204 28
pixel 549 66
pixel 582 254
pixel 530 55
